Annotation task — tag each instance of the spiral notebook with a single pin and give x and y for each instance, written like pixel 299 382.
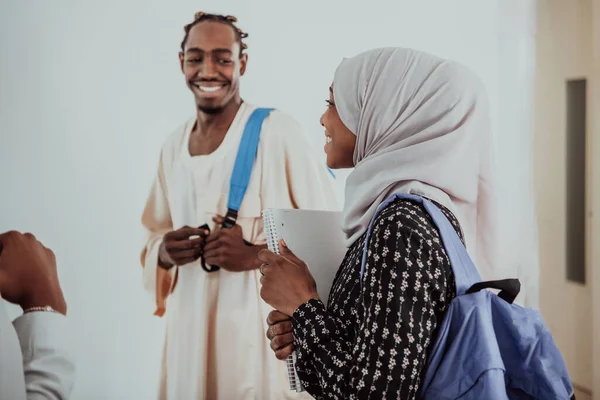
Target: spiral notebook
pixel 316 238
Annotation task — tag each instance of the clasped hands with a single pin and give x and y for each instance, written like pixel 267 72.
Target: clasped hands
pixel 286 280
pixel 223 247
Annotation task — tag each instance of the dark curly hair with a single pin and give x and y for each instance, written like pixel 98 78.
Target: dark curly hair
pixel 224 19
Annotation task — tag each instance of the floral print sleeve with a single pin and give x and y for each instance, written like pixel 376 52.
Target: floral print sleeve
pixel 371 341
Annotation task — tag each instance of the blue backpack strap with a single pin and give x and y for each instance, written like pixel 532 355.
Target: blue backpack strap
pixel 242 169
pixel 465 273
pixel 244 162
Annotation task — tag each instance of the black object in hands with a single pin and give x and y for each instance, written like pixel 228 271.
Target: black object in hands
pixel 230 219
pixel 229 222
pixel 213 268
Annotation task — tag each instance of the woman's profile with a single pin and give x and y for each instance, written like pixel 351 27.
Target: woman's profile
pixel 407 122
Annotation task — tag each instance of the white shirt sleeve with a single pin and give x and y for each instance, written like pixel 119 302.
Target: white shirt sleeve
pixel 47 361
pixel 12 381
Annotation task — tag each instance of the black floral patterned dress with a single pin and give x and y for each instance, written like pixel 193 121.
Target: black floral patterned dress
pixel 372 342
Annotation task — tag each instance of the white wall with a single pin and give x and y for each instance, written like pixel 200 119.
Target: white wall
pixel 518 238
pixel 89 90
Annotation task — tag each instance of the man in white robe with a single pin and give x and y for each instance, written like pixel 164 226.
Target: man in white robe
pixel 215 346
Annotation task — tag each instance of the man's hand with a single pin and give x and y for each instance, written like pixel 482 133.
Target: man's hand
pixel 28 275
pixel 182 246
pixel 226 248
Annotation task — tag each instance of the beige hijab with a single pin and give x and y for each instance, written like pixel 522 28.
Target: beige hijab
pixel 422 126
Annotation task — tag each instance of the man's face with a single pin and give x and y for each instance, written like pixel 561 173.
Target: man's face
pixel 212 65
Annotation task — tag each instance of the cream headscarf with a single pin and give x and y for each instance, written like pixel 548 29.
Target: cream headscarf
pixel 422 126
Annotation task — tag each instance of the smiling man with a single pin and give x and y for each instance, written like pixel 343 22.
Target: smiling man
pixel 215 346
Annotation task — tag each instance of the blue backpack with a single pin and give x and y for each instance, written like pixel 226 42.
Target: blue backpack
pixel 486 347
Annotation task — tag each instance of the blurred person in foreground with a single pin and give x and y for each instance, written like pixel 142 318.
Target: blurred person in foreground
pixel 36 361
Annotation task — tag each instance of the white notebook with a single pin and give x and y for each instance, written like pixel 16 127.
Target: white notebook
pixel 316 238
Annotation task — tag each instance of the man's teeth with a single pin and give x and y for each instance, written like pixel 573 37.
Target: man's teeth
pixel 210 88
pixel 327 139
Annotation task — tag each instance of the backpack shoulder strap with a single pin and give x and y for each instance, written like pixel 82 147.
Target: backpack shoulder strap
pixel 465 273
pixel 244 162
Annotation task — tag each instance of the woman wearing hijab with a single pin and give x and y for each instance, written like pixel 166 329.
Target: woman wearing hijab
pixel 408 122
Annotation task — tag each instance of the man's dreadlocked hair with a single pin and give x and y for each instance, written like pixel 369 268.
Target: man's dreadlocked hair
pixel 224 19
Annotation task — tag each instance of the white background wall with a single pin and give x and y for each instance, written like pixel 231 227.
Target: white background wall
pixel 89 90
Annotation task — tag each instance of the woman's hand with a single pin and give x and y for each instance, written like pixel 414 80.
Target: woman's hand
pixel 286 281
pixel 280 334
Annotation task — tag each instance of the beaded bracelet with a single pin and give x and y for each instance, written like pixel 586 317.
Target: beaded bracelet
pixel 43 309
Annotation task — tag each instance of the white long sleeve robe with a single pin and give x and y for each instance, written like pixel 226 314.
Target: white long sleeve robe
pixel 215 345
pixel 36 358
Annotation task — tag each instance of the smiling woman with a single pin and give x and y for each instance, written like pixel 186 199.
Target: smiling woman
pixel 340 141
pixel 392 113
